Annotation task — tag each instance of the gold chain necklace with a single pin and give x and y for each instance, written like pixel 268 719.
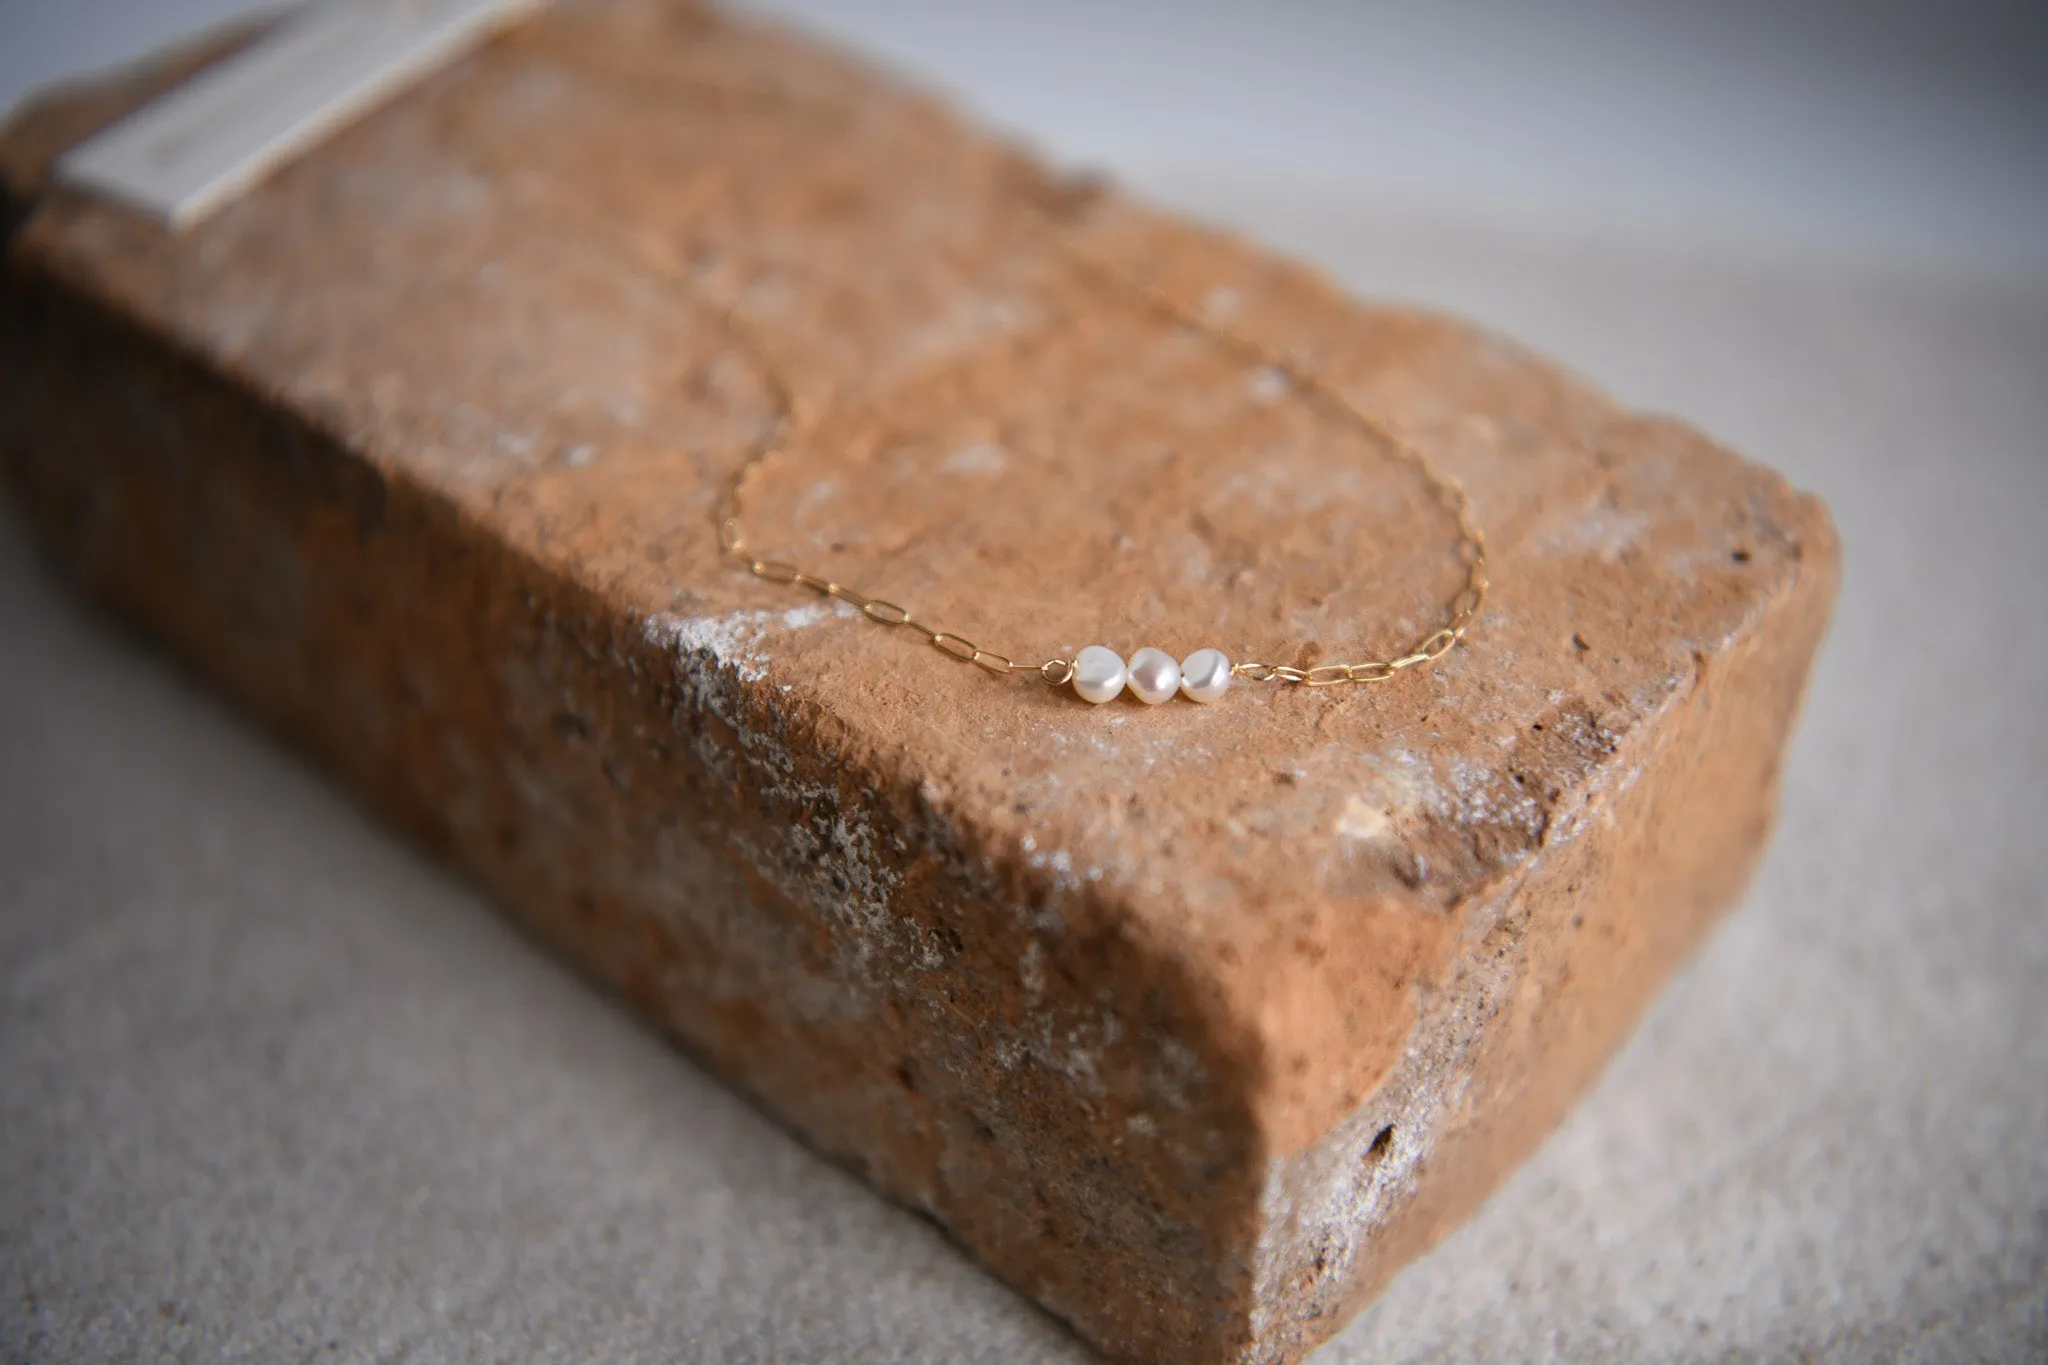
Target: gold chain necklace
pixel 1097 673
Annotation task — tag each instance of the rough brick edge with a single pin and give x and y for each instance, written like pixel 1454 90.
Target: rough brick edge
pixel 1504 1046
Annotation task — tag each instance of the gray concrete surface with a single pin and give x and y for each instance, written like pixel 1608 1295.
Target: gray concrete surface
pixel 273 1087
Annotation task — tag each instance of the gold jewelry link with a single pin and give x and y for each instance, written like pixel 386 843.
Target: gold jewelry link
pixel 1058 672
pixel 1441 643
pixel 845 594
pixel 888 613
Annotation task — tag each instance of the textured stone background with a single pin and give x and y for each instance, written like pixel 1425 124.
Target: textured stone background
pixel 269 1081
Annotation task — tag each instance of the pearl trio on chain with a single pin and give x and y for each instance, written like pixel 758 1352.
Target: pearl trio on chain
pixel 1100 674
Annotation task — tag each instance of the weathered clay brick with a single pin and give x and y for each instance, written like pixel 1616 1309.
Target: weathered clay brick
pixel 1194 1023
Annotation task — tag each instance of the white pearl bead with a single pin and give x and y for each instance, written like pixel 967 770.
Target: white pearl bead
pixel 1099 673
pixel 1205 675
pixel 1155 677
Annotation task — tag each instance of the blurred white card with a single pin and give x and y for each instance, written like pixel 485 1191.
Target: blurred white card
pixel 198 146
